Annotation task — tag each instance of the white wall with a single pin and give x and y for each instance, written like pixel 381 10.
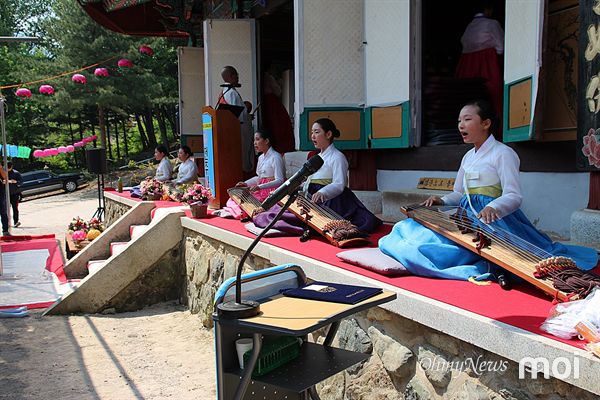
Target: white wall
pixel 549 199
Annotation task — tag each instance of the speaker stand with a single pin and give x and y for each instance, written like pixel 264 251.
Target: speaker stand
pixel 100 210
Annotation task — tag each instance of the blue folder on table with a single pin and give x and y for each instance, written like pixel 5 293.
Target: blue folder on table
pixel 333 292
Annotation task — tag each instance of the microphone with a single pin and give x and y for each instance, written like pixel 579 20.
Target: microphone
pixel 289 186
pixel 230 85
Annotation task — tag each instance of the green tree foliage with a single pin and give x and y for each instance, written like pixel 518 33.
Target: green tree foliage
pixel 146 92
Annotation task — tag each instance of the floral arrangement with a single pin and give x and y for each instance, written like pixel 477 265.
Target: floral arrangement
pixel 95 223
pixel 78 224
pixel 196 194
pixel 81 229
pixel 79 236
pixel 150 188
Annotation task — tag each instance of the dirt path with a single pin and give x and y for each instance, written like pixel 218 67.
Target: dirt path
pixel 161 352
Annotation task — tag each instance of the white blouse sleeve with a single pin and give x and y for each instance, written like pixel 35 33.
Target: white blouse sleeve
pixel 507 165
pixel 278 174
pixel 339 175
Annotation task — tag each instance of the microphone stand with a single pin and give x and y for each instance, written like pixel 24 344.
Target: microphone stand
pixel 240 309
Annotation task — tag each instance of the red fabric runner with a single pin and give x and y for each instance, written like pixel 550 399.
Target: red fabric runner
pixel 54 263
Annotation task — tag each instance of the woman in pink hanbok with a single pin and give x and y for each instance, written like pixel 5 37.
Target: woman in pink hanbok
pixel 270 172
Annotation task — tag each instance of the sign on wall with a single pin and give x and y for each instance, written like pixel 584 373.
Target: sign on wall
pixel 588 120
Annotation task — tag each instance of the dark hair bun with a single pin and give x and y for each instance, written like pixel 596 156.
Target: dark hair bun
pixel 336 132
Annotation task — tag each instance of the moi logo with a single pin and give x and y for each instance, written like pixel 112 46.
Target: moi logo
pixel 561 367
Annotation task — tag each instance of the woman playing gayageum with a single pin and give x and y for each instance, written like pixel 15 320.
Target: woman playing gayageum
pixel 487 185
pixel 270 171
pixel 327 187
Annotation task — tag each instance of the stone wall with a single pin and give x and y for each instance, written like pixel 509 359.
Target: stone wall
pixel 409 360
pixel 113 211
pixel 207 263
pixel 412 361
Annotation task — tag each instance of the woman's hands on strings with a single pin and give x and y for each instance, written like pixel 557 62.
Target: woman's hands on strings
pixel 318 197
pixel 488 215
pixel 433 201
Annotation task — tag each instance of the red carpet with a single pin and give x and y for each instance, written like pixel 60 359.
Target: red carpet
pixel 524 307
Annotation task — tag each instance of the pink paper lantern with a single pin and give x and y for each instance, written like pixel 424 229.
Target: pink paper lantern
pixel 46 153
pixel 94 137
pixel 146 50
pixel 79 144
pixel 79 78
pixel 86 140
pixel 53 151
pixel 23 93
pixel 125 63
pixel 62 149
pixel 101 72
pixel 38 153
pixel 70 148
pixel 47 90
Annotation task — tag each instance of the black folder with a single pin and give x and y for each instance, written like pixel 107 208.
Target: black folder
pixel 333 292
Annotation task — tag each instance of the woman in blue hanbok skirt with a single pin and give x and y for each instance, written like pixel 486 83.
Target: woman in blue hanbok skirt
pixel 487 186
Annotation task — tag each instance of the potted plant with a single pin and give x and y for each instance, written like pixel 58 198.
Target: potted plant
pixel 197 196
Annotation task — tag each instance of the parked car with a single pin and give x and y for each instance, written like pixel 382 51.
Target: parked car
pixel 35 182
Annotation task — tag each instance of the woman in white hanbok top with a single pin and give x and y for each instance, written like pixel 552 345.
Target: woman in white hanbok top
pixel 487 189
pixel 164 169
pixel 270 171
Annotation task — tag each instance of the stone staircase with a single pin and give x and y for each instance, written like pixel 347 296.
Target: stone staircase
pixel 127 265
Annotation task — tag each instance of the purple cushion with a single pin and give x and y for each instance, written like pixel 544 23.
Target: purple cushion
pixel 374 260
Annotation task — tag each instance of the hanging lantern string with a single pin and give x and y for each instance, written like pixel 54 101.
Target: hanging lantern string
pixel 60 75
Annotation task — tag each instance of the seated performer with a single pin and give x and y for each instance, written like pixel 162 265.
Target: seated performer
pixel 327 186
pixel 188 171
pixel 270 172
pixel 487 185
pixel 164 169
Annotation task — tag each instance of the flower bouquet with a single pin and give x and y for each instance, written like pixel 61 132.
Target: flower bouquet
pixel 151 189
pixel 95 223
pixel 197 196
pixel 78 224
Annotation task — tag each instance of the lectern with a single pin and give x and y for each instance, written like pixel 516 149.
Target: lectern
pixel 222 152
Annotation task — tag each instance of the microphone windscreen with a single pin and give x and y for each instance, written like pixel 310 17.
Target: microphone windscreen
pixel 314 163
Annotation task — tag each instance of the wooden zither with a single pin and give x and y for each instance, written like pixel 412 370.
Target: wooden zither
pixel 557 276
pixel 337 230
pixel 247 202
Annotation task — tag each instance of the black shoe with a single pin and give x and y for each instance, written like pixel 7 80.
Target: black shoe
pixel 17 224
pixel 6 233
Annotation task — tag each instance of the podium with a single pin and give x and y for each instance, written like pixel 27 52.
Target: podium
pixel 222 153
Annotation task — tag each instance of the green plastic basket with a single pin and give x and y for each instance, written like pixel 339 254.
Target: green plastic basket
pixel 274 353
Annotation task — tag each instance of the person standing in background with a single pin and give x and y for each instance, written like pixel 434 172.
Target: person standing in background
pixel 14 181
pixel 3 213
pixel 232 97
pixel 482 50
